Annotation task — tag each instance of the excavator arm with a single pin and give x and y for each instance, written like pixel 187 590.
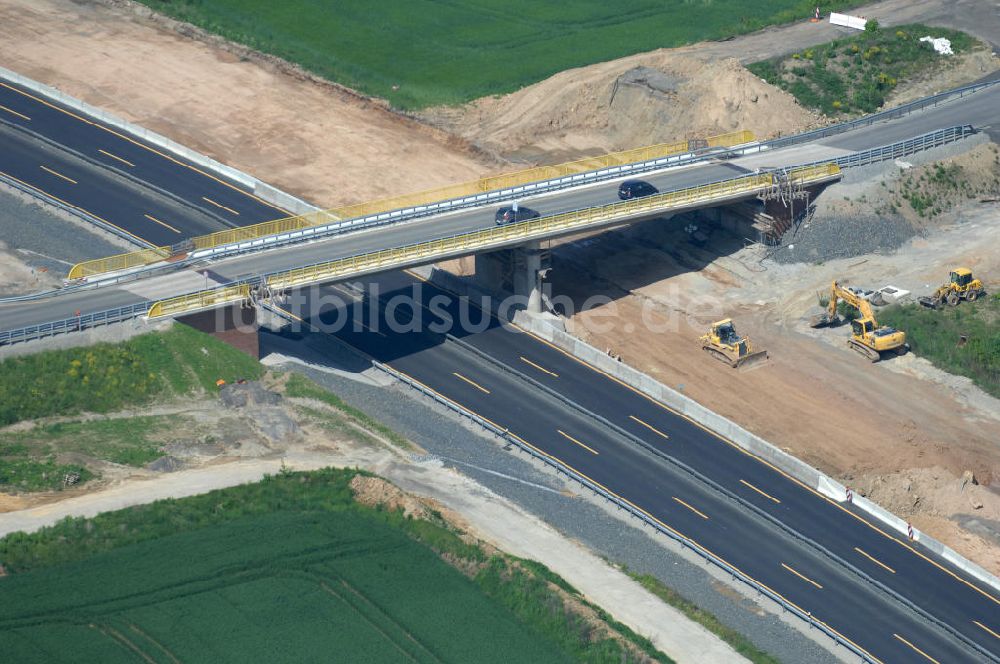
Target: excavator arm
pixel 862 305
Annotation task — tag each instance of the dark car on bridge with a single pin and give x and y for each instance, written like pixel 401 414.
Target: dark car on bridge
pixel 636 189
pixel 508 215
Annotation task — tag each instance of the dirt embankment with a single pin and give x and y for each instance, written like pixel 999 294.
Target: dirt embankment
pixel 307 137
pixel 915 428
pixel 656 97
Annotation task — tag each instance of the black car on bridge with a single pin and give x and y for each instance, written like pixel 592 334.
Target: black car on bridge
pixel 636 189
pixel 508 215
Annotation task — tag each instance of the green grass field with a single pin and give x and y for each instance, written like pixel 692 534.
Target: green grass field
pixel 106 377
pixel 290 569
pixel 27 458
pixel 856 74
pixel 418 53
pixel 937 336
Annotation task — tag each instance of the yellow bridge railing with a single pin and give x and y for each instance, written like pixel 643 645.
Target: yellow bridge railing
pixel 482 185
pixel 119 262
pixel 525 230
pixel 206 299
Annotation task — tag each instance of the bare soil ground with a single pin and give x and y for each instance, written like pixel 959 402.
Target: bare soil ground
pixel 331 146
pixel 815 398
pixel 310 138
pixel 643 99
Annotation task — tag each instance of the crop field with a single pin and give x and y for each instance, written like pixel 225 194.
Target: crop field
pixel 419 53
pixel 290 569
pixel 278 587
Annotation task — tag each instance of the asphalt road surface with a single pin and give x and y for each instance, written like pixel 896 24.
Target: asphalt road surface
pixel 718 520
pixel 86 140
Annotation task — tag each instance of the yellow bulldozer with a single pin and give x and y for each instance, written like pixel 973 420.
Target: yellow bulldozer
pixel 723 343
pixel 867 337
pixel 961 286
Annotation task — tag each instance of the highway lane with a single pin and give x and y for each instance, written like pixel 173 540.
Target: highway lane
pixel 783 563
pixel 839 529
pixel 977 109
pixel 135 210
pixel 915 572
pixel 115 148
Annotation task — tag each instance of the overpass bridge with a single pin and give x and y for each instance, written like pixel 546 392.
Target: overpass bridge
pixel 891 600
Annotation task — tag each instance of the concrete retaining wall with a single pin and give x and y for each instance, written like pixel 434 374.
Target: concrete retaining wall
pixel 731 431
pixel 714 422
pixel 259 188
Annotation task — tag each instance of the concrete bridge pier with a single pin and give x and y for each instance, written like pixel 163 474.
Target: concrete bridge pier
pixel 529 274
pixel 520 271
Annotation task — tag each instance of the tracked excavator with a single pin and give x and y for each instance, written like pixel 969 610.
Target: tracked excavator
pixel 724 344
pixel 867 337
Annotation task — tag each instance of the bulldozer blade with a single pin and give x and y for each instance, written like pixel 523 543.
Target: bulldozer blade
pixel 929 302
pixel 753 361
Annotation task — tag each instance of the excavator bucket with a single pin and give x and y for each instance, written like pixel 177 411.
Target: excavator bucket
pixel 929 301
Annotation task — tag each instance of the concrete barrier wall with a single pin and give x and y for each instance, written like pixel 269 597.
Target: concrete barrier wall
pixel 752 443
pixel 259 188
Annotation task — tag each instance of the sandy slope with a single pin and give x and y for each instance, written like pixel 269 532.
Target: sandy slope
pixel 309 138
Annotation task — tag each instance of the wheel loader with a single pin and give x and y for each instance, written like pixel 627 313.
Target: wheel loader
pixel 723 343
pixel 961 286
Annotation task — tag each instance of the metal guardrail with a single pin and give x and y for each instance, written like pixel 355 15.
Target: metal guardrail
pixel 634 511
pixel 903 148
pixel 71 209
pixel 477 191
pixel 531 228
pixel 435 249
pixel 395 209
pixel 888 114
pixel 721 490
pixel 74 324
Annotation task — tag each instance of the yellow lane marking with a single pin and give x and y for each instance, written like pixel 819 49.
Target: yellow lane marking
pixel 58 175
pixel 219 205
pixel 13 112
pixel 875 560
pixel 161 223
pixel 75 207
pixel 669 528
pixel 542 369
pixel 801 576
pixel 584 446
pixel 916 648
pixel 470 382
pixel 766 495
pixel 696 511
pixel 648 426
pixel 131 140
pixel 987 629
pixel 763 461
pixel 114 156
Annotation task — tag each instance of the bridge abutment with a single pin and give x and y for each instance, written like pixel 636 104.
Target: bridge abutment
pixel 235 325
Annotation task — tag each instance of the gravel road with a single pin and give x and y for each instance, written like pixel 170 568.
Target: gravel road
pixel 41 238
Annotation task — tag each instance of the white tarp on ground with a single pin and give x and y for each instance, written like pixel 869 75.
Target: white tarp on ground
pixel 940 44
pixel 847 20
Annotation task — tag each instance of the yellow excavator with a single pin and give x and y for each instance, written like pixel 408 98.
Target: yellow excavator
pixel 867 337
pixel 961 286
pixel 723 343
